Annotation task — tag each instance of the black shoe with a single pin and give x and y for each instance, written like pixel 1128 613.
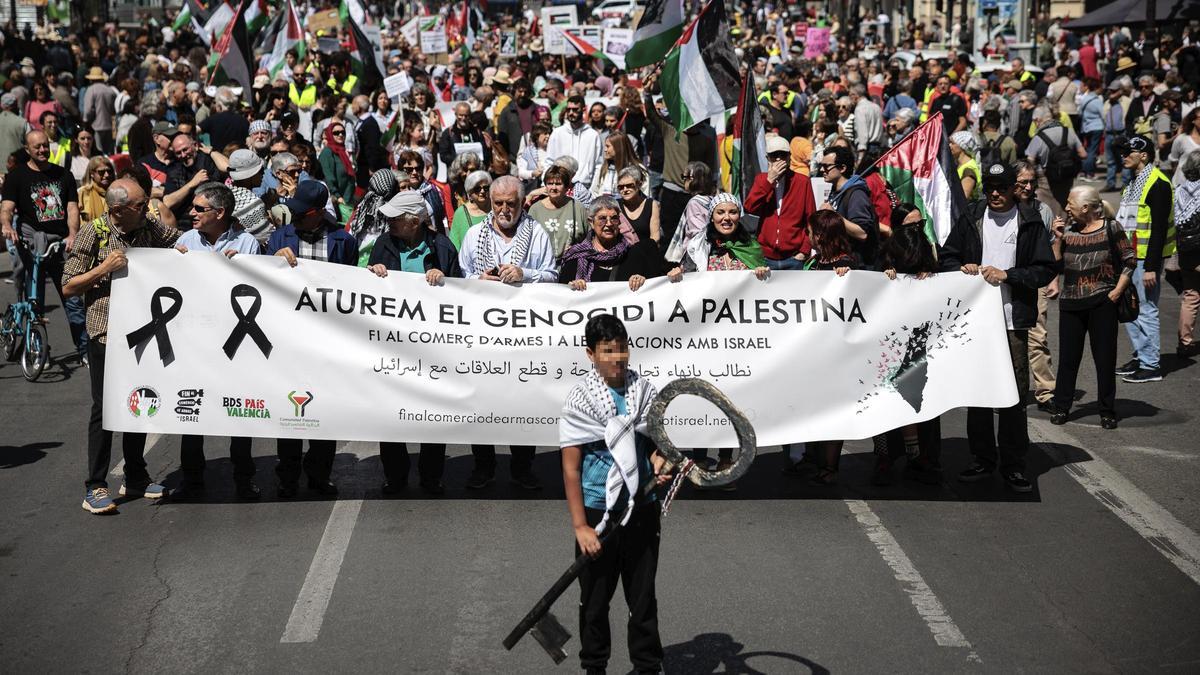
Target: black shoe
pixel 188 492
pixel 975 472
pixel 922 472
pixel 1143 375
pixel 288 490
pixel 1108 422
pixel 246 489
pixel 322 487
pixel 1058 417
pixel 1187 351
pixel 526 481
pixel 433 488
pixel 394 488
pixel 1017 482
pixel 1046 407
pixel 882 476
pixel 1128 368
pixel 478 481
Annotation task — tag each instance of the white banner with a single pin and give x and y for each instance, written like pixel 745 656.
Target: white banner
pixel 200 344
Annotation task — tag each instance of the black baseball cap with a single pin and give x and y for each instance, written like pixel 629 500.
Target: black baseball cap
pixel 1137 144
pixel 309 195
pixel 999 176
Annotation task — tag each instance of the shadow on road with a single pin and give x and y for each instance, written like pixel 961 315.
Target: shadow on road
pixel 708 652
pixel 12 456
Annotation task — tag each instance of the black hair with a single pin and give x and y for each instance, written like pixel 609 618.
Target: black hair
pixel 604 328
pixel 842 156
pixel 908 250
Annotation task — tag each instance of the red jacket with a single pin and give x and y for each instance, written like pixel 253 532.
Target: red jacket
pixel 782 232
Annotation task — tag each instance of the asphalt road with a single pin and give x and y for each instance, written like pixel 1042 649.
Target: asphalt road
pixel 1098 570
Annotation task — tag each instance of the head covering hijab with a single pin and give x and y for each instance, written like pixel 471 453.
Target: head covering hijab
pixel 746 249
pixel 381 188
pixel 408 202
pixel 966 141
pixel 338 147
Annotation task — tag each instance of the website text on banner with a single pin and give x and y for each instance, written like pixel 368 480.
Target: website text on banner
pixel 200 344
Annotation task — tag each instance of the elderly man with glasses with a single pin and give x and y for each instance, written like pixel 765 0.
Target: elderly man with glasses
pixel 194 165
pixel 216 231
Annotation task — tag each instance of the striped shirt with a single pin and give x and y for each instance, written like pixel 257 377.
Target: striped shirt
pixel 1088 270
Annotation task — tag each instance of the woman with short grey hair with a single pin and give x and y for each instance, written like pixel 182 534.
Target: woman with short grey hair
pixel 605 255
pixel 475 208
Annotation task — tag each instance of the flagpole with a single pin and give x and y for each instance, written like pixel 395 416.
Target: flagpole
pixel 936 116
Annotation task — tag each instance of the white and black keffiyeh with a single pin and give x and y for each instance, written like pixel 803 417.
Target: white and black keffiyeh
pixel 486 258
pixel 590 415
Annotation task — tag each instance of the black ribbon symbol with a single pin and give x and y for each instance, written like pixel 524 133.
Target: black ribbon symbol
pixel 246 324
pixel 157 328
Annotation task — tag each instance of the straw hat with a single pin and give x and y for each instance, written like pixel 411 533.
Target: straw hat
pixel 96 74
pixel 1125 63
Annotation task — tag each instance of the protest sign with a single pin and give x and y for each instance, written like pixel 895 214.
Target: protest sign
pixel 410 30
pixel 508 43
pixel 553 20
pixel 816 42
pixel 800 31
pixel 397 85
pixel 617 41
pixel 202 344
pixel 433 41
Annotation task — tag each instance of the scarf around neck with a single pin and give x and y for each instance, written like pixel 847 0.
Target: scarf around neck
pixel 587 257
pixel 486 258
pixel 590 414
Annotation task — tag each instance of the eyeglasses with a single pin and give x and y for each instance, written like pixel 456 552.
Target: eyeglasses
pixel 606 219
pixel 1026 183
pixel 626 186
pixel 290 172
pixel 410 167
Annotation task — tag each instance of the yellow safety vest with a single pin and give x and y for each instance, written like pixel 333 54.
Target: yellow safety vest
pixel 1026 76
pixel 303 99
pixel 973 166
pixel 1141 235
pixel 346 87
pixel 59 155
pixel 765 99
pixel 928 98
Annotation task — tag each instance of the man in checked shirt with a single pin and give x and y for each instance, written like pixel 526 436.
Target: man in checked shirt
pixel 98 252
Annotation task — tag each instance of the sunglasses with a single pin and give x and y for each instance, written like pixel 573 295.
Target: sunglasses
pixel 203 209
pixel 339 132
pixel 826 167
pixel 103 172
pixel 626 186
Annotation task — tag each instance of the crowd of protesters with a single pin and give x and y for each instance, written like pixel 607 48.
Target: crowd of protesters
pixel 540 168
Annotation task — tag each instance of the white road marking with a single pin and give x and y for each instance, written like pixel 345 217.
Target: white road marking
pixel 1174 540
pixel 304 625
pixel 308 614
pixel 1165 454
pixel 945 632
pixel 152 440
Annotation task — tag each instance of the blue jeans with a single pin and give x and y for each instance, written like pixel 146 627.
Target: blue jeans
pixel 785 264
pixel 1143 331
pixel 1091 141
pixel 1112 161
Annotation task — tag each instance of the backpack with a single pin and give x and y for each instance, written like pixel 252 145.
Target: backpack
pixel 989 152
pixel 1062 163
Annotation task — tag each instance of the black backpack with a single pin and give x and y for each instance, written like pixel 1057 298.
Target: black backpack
pixel 989 152
pixel 1062 163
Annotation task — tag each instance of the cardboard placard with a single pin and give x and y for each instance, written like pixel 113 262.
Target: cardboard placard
pixel 397 85
pixel 554 19
pixel 434 41
pixel 508 43
pixel 816 42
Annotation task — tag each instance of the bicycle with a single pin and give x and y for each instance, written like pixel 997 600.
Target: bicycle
pixel 22 331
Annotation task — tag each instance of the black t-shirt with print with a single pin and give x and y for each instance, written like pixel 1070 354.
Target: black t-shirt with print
pixel 41 197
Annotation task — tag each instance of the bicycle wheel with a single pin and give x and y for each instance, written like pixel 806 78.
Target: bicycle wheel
pixel 10 338
pixel 36 354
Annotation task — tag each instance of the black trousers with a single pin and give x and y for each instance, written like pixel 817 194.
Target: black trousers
pixel 1061 191
pixel 1013 437
pixel 1099 324
pixel 630 555
pixel 317 463
pixel 100 440
pixel 431 463
pixel 485 459
pixel 191 457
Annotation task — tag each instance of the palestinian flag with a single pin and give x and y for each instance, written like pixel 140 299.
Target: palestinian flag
pixel 232 55
pixel 191 11
pixel 365 53
pixel 393 130
pixel 283 34
pixel 749 143
pixel 920 170
pixel 700 77
pixel 584 47
pixel 256 16
pixel 216 23
pixel 472 25
pixel 659 28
